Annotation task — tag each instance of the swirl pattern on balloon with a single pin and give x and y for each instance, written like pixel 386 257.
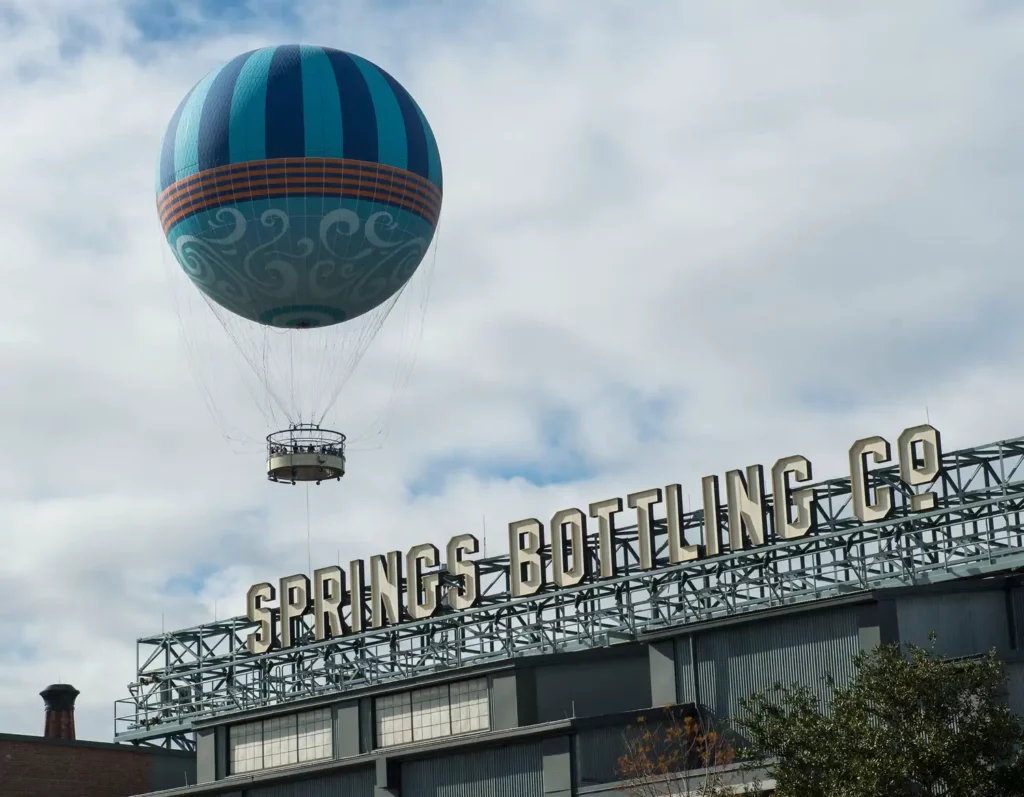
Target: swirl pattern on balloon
pixel 264 262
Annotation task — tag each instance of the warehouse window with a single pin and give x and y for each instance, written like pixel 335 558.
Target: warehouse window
pixel 432 713
pixel 280 741
pixel 280 744
pixel 246 743
pixel 314 735
pixel 470 706
pixel 394 720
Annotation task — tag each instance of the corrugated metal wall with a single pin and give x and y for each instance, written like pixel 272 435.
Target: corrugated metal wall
pixel 965 623
pixel 734 662
pixel 597 754
pixel 512 771
pixel 1017 596
pixel 351 783
pixel 685 686
pixel 367 730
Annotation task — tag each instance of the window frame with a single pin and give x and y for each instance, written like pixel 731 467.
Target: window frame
pixel 283 745
pixel 412 732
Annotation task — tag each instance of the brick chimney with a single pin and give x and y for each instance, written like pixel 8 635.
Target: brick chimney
pixel 60 711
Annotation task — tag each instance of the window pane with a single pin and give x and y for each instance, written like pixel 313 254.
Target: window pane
pixel 433 712
pixel 470 706
pixel 394 720
pixel 430 717
pixel 315 735
pixel 245 745
pixel 279 742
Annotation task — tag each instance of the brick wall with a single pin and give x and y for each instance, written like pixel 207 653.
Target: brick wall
pixel 49 769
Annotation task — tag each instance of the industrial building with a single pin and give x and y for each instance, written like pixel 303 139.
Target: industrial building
pixel 530 697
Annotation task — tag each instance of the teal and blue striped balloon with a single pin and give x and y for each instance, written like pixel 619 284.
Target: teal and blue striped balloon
pixel 299 186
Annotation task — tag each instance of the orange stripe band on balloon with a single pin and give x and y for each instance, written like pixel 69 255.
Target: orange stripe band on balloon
pixel 372 171
pixel 347 165
pixel 324 177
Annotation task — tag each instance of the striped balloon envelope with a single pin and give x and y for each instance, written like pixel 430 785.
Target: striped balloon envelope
pixel 299 186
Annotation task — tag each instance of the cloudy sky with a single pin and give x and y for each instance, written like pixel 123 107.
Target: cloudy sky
pixel 677 238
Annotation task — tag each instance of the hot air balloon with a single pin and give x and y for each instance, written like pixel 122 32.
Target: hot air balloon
pixel 299 188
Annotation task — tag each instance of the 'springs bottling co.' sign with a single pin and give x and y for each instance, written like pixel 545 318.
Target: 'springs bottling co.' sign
pixel 409 587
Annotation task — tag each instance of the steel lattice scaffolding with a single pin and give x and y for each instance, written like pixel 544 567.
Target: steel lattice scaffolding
pixel 975 528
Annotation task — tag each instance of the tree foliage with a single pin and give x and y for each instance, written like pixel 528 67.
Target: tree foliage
pixel 908 722
pixel 677 755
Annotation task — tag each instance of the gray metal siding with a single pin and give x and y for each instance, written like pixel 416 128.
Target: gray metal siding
pixel 662 660
pixel 1015 687
pixel 221 737
pixel 597 754
pixel 367 730
pixel 557 767
pixel 588 689
pixel 504 702
pixel 1017 601
pixel 206 756
pixel 685 691
pixel 350 783
pixel 512 771
pixel 346 730
pixel 965 623
pixel 733 663
pixel 171 771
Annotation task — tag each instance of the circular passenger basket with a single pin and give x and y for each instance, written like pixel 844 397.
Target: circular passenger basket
pixel 305 453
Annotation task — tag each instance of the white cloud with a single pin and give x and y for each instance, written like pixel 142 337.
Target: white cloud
pixel 779 228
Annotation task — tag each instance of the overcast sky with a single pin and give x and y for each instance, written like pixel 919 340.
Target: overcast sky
pixel 677 238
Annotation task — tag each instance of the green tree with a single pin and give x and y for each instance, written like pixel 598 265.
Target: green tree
pixel 910 722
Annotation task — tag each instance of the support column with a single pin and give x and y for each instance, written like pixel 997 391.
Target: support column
pixel 504 702
pixel 526 696
pixel 557 767
pixel 346 730
pixel 366 728
pixel 389 778
pixel 662 660
pixel 221 745
pixel 206 755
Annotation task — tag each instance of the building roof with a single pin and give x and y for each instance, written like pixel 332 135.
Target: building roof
pixel 82 743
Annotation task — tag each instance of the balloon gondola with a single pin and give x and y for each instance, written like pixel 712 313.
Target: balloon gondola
pixel 305 453
pixel 299 189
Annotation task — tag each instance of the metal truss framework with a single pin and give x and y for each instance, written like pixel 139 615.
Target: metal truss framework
pixel 976 528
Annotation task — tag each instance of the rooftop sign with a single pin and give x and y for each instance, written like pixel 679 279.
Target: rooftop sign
pixel 417 586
